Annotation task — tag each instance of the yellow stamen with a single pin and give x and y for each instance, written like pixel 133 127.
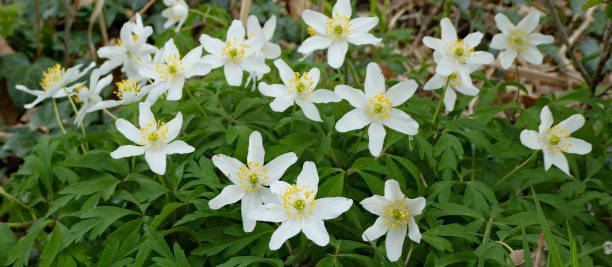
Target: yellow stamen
pixel 52 76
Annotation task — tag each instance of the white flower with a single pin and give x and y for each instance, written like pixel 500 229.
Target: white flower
pixel 235 54
pixel 297 89
pixel 556 140
pixel 519 39
pixel 128 91
pixel 396 217
pixel 377 108
pixel 296 208
pixel 607 247
pixel 456 55
pixel 455 84
pixel 154 139
pixel 176 12
pixel 336 32
pixel 88 96
pixel 56 83
pixel 269 50
pixel 169 71
pixel 251 181
pixel 131 50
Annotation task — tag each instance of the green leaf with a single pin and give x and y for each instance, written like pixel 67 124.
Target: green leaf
pixel 375 184
pixel 249 260
pixel 167 210
pixel 105 184
pixel 332 187
pixel 7 241
pixel 591 3
pixel 105 216
pixel 54 246
pixel 552 244
pixel 19 255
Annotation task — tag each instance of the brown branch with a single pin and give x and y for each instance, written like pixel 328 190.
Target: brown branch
pixel 69 20
pixel 143 9
pixel 245 7
pixel 605 55
pixel 570 47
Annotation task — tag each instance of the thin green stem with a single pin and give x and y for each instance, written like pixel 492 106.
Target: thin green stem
pixel 76 112
pixel 161 180
pixel 134 119
pixel 11 197
pixel 206 15
pixel 350 67
pixel 407 260
pixel 197 103
pixel 515 169
pixel 518 89
pixel 440 102
pixel 104 109
pixel 57 116
pixel 357 144
pixel 341 75
pixel 292 118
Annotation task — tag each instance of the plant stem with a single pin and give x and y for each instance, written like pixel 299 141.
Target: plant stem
pixel 206 15
pixel 76 112
pixel 357 144
pixel 518 89
pixel 516 169
pixel 348 64
pixel 59 121
pixel 292 118
pixel 161 180
pixel 197 103
pixel 11 197
pixel 440 101
pixel 407 260
pixel 341 75
pixel 134 120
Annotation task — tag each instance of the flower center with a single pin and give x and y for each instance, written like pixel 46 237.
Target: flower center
pixel 127 89
pixel 396 214
pixel 301 85
pixel 171 69
pixel 252 176
pixel 234 51
pixel 298 201
pixel 153 134
pixel 338 27
pixel 454 80
pixel 52 76
pixel 557 139
pixel 311 31
pixel 378 107
pixel 518 40
pixel 460 50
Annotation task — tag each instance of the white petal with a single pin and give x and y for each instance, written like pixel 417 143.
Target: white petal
pixel 449 99
pixel 256 150
pixel 314 229
pixel 445 67
pixel 481 57
pixel 434 43
pixel 399 93
pixel 230 194
pixel 145 115
pixel 284 71
pixel 323 96
pixel 175 89
pixel 376 134
pixel 286 230
pixel 228 166
pixel 547 154
pixel 531 139
pixel 309 176
pixel 415 206
pixel 402 122
pixel 127 151
pixel 356 98
pixel 578 146
pixel 269 27
pixel 195 64
pixel 215 61
pixel 374 81
pixel 393 191
pixel 278 188
pixel 255 64
pixel 395 242
pixel 272 212
pixel 331 207
pixel 253 27
pixel 156 160
pixel 173 127
pixel 363 24
pixel 314 43
pixel 572 123
pixel 375 231
pixel 342 8
pixel 309 109
pixel 353 120
pixel 363 38
pixel 532 55
pixel 449 34
pixel 473 39
pixel 499 42
pixel 233 74
pixel 413 230
pixel 277 167
pixel 271 50
pixel 538 39
pixel 178 147
pixel 235 31
pixel 435 82
pixel 503 23
pixel 506 58
pixel 273 90
pixel 281 103
pixel 530 22
pixel 546 119
pixel 336 53
pixel 128 130
pixel 559 160
pixel 315 75
pixel 249 202
pixel 375 204
pixel 315 20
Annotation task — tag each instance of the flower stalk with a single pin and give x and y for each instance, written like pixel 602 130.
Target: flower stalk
pixel 440 102
pixel 195 101
pixel 515 169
